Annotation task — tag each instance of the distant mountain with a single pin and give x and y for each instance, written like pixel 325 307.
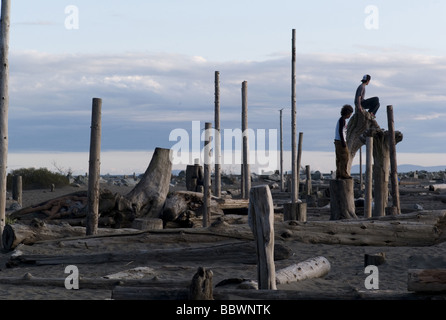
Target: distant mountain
pixel 402 168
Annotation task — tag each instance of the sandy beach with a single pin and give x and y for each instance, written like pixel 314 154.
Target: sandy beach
pixel 345 279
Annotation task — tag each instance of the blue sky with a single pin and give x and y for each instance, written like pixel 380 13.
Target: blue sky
pixel 153 64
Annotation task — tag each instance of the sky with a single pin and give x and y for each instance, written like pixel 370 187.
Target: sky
pixel 153 64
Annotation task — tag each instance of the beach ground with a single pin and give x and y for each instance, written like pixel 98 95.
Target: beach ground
pixel 347 271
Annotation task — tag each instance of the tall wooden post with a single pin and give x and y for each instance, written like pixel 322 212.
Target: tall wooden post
pixel 207 175
pixel 245 134
pixel 368 179
pixel 217 138
pixel 393 161
pixel 294 167
pixel 281 152
pixel 299 160
pixel 94 169
pixel 4 106
pixel 261 222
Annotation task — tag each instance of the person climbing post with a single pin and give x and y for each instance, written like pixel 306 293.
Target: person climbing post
pixel 341 148
pixel 371 104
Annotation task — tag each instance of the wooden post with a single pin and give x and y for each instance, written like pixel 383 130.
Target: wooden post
pixel 361 187
pixel 299 157
pixel 261 222
pixel 17 189
pixel 281 152
pixel 217 138
pixel 294 167
pixel 207 175
pixel 4 106
pixel 295 211
pixel 308 181
pixel 368 179
pixel 393 161
pixel 94 169
pixel 245 134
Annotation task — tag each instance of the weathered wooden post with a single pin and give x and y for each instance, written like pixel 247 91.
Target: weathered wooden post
pixel 245 133
pixel 308 181
pixel 4 106
pixel 294 167
pixel 17 189
pixel 217 138
pixel 94 169
pixel 368 179
pixel 361 187
pixel 299 160
pixel 393 161
pixel 261 222
pixel 207 175
pixel 281 152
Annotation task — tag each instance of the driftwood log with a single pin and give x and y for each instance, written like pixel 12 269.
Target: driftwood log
pixel 146 199
pixel 240 252
pixel 38 230
pixel 165 293
pixel 423 228
pixel 427 280
pixel 312 268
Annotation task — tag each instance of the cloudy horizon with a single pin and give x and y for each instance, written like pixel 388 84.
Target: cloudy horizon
pixel 155 76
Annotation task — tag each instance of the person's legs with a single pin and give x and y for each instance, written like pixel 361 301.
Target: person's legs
pixel 371 104
pixel 342 156
pixel 338 149
pixel 343 163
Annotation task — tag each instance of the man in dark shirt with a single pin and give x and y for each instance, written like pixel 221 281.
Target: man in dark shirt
pixel 371 104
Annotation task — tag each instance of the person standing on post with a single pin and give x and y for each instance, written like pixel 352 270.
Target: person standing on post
pixel 371 104
pixel 341 148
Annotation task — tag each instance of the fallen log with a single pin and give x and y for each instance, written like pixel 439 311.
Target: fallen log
pixel 240 252
pixel 311 268
pixel 427 280
pixel 162 293
pixel 93 283
pixel 38 230
pixel 423 228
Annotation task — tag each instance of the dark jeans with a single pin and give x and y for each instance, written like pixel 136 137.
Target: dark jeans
pixel 371 104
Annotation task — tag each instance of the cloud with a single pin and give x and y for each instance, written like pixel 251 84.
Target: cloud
pixel 147 95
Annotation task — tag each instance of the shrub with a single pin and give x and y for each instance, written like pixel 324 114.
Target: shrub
pixel 37 178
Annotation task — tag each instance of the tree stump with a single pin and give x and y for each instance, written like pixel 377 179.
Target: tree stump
pixel 149 195
pixel 342 201
pixel 201 286
pixel 194 177
pixel 374 259
pixel 295 211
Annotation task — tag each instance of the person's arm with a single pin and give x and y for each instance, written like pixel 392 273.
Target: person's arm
pixel 341 131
